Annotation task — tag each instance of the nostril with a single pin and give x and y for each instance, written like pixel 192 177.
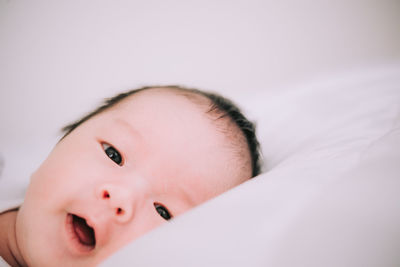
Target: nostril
pixel 120 211
pixel 106 194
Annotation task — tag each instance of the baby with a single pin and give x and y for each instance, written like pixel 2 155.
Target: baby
pixel 139 160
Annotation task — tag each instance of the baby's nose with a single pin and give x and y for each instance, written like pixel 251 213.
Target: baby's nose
pixel 118 200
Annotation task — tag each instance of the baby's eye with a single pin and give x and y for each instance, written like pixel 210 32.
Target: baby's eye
pixel 112 153
pixel 162 211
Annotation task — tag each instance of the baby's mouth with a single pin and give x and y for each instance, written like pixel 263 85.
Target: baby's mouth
pixel 84 233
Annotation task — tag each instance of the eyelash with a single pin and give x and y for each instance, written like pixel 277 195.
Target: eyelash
pixel 163 211
pixel 113 153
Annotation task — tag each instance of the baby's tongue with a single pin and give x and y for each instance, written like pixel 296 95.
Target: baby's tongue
pixel 85 232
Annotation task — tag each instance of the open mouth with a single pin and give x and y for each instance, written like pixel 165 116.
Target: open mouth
pixel 82 233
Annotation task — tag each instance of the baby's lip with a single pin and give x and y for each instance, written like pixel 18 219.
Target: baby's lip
pixel 84 231
pixel 81 235
pixel 98 225
pixel 98 228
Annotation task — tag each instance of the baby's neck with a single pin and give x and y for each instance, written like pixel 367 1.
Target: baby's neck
pixel 8 244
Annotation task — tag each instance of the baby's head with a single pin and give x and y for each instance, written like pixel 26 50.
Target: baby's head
pixel 144 157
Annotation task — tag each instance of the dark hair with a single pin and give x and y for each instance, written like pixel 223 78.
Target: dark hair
pixel 220 104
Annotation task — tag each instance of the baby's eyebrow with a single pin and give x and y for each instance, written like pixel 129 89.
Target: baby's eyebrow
pixel 188 197
pixel 133 132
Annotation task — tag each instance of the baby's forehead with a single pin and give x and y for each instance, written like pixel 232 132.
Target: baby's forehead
pixel 164 112
pixel 171 105
pixel 191 108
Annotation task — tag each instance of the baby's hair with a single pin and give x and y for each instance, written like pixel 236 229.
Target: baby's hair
pixel 221 106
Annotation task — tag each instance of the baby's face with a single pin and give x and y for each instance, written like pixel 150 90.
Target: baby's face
pixel 122 173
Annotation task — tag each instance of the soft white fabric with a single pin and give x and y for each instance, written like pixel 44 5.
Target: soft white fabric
pixel 3 263
pixel 11 192
pixel 330 196
pixel 7 202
